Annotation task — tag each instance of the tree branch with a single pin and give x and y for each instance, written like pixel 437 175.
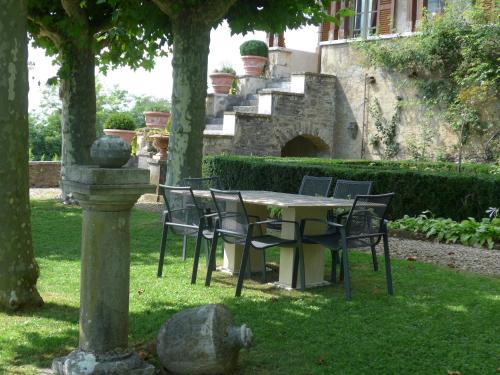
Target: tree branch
pixel 47 32
pixel 213 10
pixel 73 10
pixel 165 6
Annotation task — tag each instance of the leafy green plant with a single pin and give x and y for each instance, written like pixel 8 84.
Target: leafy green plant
pixel 386 130
pixel 225 69
pixel 470 232
pixel 121 121
pixel 254 48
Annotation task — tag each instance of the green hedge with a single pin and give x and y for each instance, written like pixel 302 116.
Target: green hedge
pixel 446 194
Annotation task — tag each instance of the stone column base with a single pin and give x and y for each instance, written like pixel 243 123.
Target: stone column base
pixel 79 362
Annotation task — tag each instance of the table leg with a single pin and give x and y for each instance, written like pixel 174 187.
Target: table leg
pixel 233 253
pixel 313 254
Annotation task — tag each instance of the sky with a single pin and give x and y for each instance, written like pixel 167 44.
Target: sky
pixel 224 50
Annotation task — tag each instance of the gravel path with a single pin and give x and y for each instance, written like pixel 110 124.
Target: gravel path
pixel 460 257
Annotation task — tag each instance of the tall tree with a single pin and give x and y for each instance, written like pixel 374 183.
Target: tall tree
pixel 83 34
pixel 191 22
pixel 18 269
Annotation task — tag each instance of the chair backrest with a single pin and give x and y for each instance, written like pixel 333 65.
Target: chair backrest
pixel 202 183
pixel 233 218
pixel 182 210
pixel 315 186
pixel 367 214
pixel 347 189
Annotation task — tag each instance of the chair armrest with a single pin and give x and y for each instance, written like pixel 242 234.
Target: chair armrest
pixel 324 221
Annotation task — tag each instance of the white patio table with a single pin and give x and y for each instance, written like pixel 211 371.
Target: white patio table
pixel 295 207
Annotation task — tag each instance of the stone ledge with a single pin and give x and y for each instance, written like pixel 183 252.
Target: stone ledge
pixel 94 175
pixel 278 92
pixel 323 75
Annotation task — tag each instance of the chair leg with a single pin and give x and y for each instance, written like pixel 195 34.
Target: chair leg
pixel 207 244
pixel 196 257
pixel 341 277
pixel 345 267
pixel 244 261
pixel 184 245
pixel 335 261
pixel 295 267
pixel 163 247
pixel 211 258
pixel 388 272
pixel 374 257
pixel 264 275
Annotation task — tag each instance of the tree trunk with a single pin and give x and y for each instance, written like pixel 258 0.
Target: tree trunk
pixel 78 103
pixel 190 59
pixel 18 269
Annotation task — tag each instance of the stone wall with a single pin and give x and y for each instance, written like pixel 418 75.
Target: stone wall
pixel 44 173
pixel 358 88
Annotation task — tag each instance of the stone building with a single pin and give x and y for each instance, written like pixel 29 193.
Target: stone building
pixel 327 103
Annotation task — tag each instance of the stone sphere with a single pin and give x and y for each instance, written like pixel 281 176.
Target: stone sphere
pixel 110 152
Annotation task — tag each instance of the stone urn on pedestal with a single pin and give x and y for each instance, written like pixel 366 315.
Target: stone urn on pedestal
pixel 254 54
pixel 160 142
pixel 106 192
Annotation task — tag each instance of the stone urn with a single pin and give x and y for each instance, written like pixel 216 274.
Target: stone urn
pixel 160 142
pixel 254 65
pixel 202 340
pixel 221 82
pixel 156 119
pixel 126 135
pixel 110 152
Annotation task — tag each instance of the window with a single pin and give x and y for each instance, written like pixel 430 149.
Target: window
pixel 365 20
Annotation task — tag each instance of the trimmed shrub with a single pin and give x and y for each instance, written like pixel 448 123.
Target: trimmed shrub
pixel 122 121
pixel 446 194
pixel 254 48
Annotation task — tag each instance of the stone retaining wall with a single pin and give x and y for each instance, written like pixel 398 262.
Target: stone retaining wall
pixel 44 173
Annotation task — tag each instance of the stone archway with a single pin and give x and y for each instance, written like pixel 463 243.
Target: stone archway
pixel 305 146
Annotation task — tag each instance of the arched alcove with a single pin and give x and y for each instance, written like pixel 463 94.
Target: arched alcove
pixel 305 146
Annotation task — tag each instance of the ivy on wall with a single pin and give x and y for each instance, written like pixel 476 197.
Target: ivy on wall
pixel 384 140
pixel 453 60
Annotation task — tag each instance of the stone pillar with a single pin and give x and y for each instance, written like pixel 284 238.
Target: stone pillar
pixel 106 196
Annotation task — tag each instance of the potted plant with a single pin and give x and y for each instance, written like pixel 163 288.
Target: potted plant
pixel 156 117
pixel 222 79
pixel 160 138
pixel 121 125
pixel 254 55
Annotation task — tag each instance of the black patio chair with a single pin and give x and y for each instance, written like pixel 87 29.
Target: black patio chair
pixel 315 186
pixel 200 183
pixel 235 226
pixel 184 216
pixel 349 189
pixel 365 226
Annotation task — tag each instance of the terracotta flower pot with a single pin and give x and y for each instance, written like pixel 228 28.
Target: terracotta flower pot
pixel 160 142
pixel 254 65
pixel 126 135
pixel 156 120
pixel 221 82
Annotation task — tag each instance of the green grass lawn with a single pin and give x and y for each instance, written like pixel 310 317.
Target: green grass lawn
pixel 438 320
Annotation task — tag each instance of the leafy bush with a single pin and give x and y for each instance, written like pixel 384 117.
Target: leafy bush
pixel 471 232
pixel 445 193
pixel 122 121
pixel 254 48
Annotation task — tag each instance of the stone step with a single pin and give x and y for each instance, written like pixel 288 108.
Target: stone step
pixel 214 120
pixel 281 86
pixel 246 108
pixel 213 126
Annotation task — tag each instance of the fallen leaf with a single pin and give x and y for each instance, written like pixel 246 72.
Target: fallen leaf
pixel 451 265
pixel 452 372
pixel 140 291
pixel 451 253
pixel 144 355
pixel 411 258
pixel 321 361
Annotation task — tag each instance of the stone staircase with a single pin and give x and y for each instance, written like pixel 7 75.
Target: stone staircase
pixel 268 111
